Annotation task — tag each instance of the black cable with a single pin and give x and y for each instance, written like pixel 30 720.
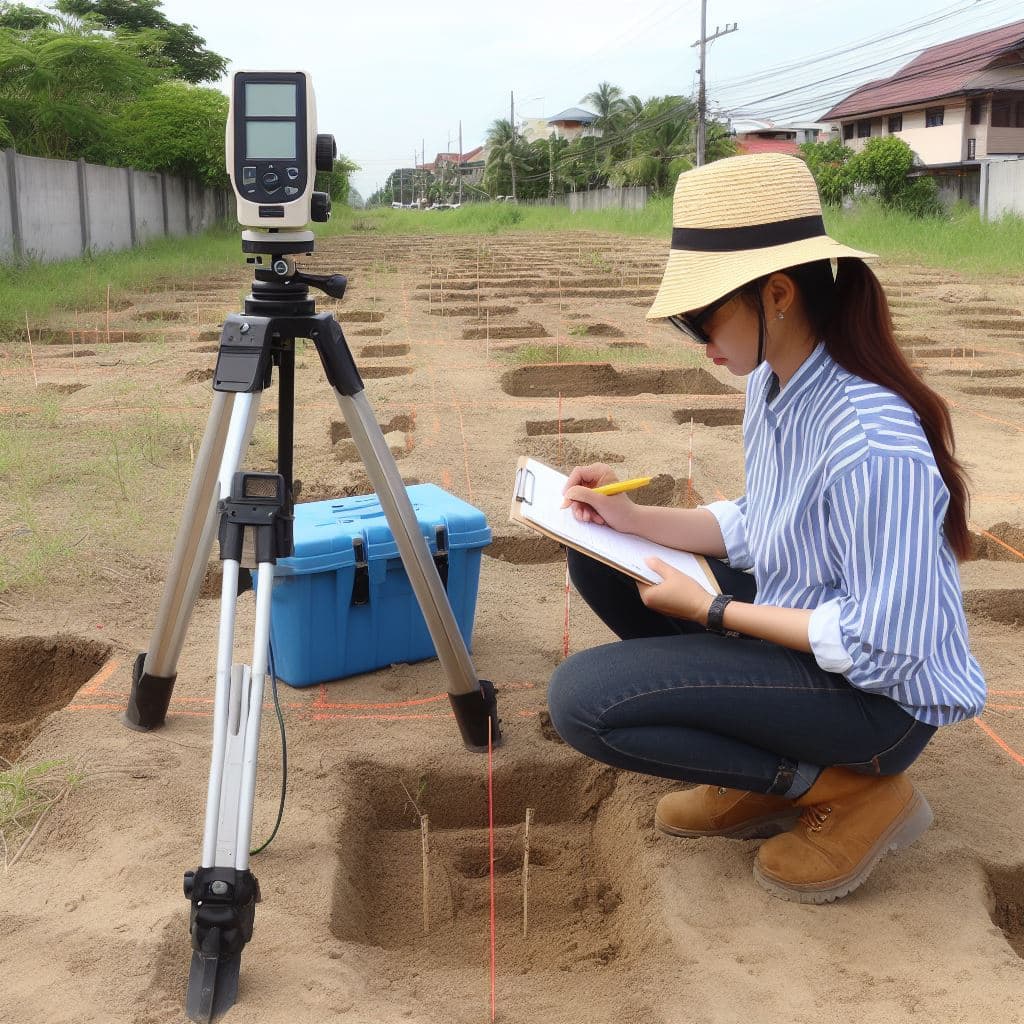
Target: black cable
pixel 284 756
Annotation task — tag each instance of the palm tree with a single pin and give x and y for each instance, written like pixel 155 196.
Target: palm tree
pixel 607 101
pixel 664 144
pixel 504 150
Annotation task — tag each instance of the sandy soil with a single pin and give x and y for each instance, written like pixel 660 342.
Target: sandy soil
pixel 625 925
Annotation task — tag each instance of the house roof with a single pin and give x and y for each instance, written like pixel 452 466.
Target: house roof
pixel 942 70
pixel 748 146
pixel 576 114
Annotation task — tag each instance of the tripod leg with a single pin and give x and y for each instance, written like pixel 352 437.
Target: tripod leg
pixel 472 700
pixel 229 426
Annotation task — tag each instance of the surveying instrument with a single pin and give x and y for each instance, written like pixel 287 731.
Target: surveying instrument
pixel 273 154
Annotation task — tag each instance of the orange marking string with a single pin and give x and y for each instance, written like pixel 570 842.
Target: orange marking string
pixel 101 677
pixel 999 741
pixel 982 416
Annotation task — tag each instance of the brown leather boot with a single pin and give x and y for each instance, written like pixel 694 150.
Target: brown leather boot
pixel 849 822
pixel 717 811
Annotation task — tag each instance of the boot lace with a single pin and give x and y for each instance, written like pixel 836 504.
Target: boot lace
pixel 814 818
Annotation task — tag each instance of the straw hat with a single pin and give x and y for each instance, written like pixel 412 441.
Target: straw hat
pixel 736 220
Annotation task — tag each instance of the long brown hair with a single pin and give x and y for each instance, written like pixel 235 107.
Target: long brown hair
pixel 851 312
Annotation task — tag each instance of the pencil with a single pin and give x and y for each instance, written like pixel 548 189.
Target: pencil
pixel 623 485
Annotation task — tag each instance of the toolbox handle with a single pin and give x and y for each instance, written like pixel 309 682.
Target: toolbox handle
pixel 441 557
pixel 361 581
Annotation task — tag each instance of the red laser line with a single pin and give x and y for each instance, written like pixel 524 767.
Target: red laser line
pixel 490 839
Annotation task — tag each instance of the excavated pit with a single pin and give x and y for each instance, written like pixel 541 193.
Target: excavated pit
pixel 492 332
pixel 1006 904
pixel 574 380
pixel 360 316
pixel 39 675
pixel 709 417
pixel 570 425
pixel 383 351
pixel 589 889
pixel 1003 606
pixel 340 430
pixel 377 372
pixel 995 391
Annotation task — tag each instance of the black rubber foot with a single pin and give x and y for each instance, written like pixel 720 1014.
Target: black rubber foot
pixel 149 700
pixel 472 713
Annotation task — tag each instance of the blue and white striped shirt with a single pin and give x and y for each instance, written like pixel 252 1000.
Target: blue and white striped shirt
pixel 844 515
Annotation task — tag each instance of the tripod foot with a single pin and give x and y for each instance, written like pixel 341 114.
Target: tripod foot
pixel 472 713
pixel 212 986
pixel 150 696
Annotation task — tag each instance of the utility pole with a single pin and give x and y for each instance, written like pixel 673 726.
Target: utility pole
pixel 460 163
pixel 423 176
pixel 702 97
pixel 551 166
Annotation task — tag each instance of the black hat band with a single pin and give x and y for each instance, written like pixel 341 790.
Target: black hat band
pixel 756 236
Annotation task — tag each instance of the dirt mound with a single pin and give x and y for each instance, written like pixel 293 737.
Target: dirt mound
pixel 159 314
pixel 665 489
pixel 340 430
pixel 376 372
pixel 995 391
pixel 531 330
pixel 529 550
pixel 198 376
pixel 989 548
pixel 38 675
pixel 360 316
pixel 61 389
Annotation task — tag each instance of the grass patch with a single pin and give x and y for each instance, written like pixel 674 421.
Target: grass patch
pixel 962 241
pixel 27 794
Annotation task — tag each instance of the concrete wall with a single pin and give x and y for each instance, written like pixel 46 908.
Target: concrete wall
pixel 1002 189
pixel 62 209
pixel 597 199
pixel 110 221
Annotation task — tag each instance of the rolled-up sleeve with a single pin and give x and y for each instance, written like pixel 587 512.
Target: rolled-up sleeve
pixel 732 521
pixel 885 529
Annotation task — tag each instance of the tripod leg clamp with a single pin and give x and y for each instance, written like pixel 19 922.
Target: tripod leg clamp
pixel 150 697
pixel 223 909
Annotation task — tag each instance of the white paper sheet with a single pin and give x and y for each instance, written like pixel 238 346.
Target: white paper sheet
pixel 541 488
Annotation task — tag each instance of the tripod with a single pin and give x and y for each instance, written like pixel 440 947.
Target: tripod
pixel 252 515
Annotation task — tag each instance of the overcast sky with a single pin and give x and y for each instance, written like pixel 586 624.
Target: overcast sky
pixel 389 77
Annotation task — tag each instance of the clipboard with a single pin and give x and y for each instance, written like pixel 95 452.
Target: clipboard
pixel 536 494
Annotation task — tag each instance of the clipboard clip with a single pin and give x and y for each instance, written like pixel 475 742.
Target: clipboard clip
pixel 525 485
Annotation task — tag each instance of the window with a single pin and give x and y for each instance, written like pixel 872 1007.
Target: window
pixel 977 111
pixel 1001 110
pixel 864 129
pixel 1020 114
pixel 933 117
pixel 895 124
pixel 848 130
pixel 972 148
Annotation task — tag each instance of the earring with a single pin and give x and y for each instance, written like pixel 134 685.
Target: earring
pixel 780 315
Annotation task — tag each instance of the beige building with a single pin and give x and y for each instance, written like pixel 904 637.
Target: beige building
pixel 955 105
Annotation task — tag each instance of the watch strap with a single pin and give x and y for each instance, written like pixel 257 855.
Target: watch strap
pixel 716 613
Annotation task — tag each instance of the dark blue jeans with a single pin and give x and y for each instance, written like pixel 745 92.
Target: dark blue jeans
pixel 673 700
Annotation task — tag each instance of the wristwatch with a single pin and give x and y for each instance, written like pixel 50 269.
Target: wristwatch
pixel 716 613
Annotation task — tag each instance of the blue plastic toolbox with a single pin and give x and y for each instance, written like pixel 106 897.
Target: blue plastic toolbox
pixel 342 604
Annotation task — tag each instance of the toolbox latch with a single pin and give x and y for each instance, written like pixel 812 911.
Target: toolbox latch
pixel 441 557
pixel 361 582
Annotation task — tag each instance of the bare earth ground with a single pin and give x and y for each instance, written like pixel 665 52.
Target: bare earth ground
pixel 625 925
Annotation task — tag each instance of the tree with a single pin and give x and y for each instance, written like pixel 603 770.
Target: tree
pixel 884 165
pixel 175 127
pixel 22 18
pixel 60 91
pixel 505 155
pixel 607 102
pixel 829 164
pixel 164 44
pixel 336 182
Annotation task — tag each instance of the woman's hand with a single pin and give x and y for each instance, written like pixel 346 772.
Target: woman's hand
pixel 614 510
pixel 677 595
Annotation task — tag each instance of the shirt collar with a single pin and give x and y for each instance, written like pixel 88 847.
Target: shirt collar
pixel 801 381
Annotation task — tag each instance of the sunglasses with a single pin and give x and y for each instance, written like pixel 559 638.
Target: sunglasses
pixel 693 325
